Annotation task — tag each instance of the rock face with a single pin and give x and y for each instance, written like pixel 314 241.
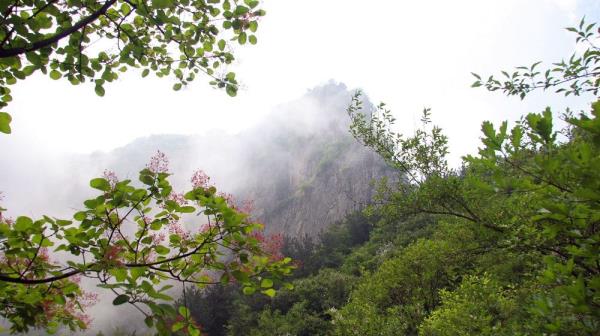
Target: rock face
pixel 300 166
pixel 303 178
pixel 319 186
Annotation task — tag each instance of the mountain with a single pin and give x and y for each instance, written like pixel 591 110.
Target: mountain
pixel 307 171
pixel 300 166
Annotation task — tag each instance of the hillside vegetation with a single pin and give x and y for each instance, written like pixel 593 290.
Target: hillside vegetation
pixel 508 244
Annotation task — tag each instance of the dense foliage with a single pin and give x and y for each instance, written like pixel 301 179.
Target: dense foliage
pixel 132 240
pixel 317 287
pixel 509 244
pixel 92 40
pixel 521 218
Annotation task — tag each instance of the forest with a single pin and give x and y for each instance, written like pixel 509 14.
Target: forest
pixel 506 243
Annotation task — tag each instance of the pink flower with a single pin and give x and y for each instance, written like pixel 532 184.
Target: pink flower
pixel 157 239
pixel 159 163
pixel 200 179
pixel 178 229
pixel 270 244
pixel 178 198
pixel 112 255
pixel 247 207
pixel 204 228
pixel 111 177
pixel 228 198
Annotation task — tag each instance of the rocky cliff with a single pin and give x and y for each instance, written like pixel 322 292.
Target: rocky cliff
pixel 307 171
pixel 300 166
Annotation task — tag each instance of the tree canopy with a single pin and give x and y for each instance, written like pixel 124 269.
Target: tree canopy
pixel 94 40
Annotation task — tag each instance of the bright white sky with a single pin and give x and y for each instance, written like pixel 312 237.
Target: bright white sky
pixel 410 54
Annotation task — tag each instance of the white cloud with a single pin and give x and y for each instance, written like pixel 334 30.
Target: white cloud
pixel 410 54
pixel 569 6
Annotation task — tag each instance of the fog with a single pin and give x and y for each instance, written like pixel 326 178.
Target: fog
pixel 284 164
pixel 273 135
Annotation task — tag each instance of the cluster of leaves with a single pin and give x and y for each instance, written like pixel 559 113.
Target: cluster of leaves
pixel 321 281
pixel 93 40
pixel 577 75
pixel 418 156
pixel 132 241
pixel 517 247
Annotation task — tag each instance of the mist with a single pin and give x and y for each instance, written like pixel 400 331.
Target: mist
pixel 299 166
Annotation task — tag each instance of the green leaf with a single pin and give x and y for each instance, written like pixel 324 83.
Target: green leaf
pixel 125 9
pixel 221 45
pixel 224 278
pixel 99 90
pixel 161 250
pixel 266 283
pixel 177 326
pixel 231 90
pixel 488 129
pixel 252 39
pixel 119 300
pixel 174 239
pixel 54 74
pixel 242 38
pixel 183 311
pixel 249 290
pixel 79 216
pixel 23 223
pixel 240 276
pixel 193 331
pixel 162 3
pixel 156 225
pixel 5 120
pixel 187 209
pixel 120 274
pixel 60 299
pixel 269 292
pixel 137 272
pixel 147 179
pixel 100 184
pixel 241 10
pixel 253 26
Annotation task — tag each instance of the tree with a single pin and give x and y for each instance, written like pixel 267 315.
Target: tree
pixel 532 195
pixel 131 241
pixel 94 40
pixel 480 306
pixel 405 289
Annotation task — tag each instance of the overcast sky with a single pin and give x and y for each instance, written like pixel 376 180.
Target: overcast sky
pixel 410 54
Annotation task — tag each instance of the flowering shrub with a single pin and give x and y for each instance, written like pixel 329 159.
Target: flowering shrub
pixel 131 240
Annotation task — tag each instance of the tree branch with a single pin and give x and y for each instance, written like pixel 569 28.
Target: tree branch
pixel 4 53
